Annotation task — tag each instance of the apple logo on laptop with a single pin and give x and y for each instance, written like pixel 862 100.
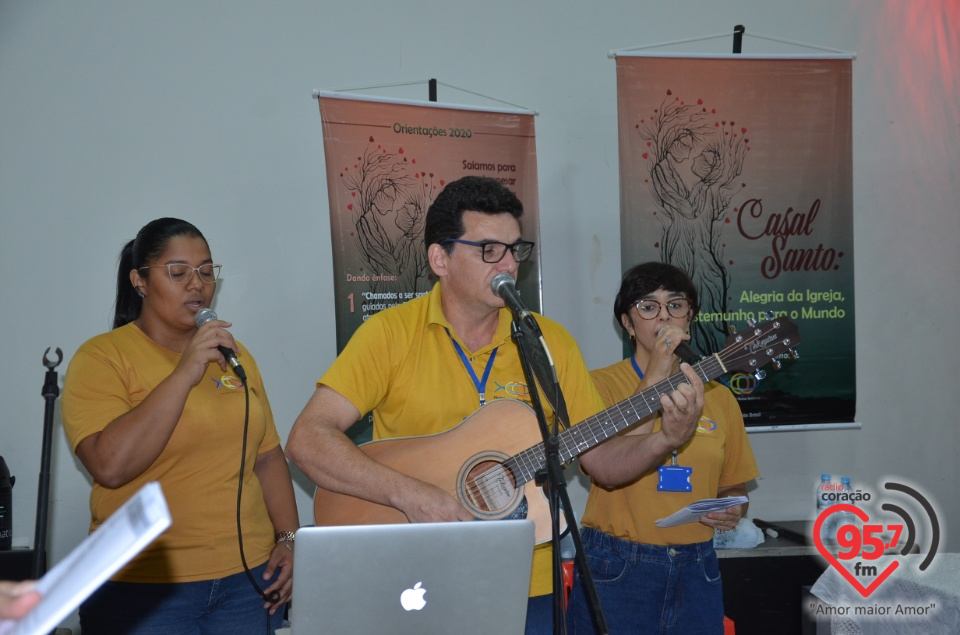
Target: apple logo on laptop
pixel 412 599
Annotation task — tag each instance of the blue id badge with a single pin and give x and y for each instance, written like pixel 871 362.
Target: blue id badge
pixel 674 477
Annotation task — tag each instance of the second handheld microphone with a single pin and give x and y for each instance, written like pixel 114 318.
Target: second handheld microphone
pixel 205 315
pixel 683 351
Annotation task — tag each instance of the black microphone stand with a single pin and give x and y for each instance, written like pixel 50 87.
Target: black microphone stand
pixel 538 368
pixel 50 392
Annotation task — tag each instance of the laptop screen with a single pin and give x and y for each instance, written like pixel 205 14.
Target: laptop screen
pixel 412 578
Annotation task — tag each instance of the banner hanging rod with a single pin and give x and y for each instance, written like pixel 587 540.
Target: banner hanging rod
pixel 431 91
pixel 738 32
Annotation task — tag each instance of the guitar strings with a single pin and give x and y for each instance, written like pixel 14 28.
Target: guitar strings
pixel 479 488
pixel 479 485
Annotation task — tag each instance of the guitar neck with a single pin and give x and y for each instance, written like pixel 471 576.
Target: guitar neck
pixel 594 430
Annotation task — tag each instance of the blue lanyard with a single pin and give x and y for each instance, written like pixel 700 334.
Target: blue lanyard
pixel 633 360
pixel 481 384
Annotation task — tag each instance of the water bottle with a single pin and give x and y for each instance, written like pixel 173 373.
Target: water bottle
pixel 846 518
pixel 828 529
pixel 6 511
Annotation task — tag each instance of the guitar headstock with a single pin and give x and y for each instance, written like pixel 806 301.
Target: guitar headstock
pixel 754 347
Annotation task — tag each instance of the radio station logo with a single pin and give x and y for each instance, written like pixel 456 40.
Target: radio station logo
pixel 857 539
pixel 867 537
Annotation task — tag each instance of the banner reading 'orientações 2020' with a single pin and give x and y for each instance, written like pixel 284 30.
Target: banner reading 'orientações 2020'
pixel 386 162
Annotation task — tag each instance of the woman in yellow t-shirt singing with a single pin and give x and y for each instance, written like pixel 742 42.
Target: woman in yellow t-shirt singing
pixel 155 400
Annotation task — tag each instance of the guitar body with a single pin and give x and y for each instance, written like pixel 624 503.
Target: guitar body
pixel 488 461
pixel 465 461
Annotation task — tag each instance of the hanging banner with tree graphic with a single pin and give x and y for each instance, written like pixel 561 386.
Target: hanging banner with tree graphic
pixel 386 163
pixel 738 170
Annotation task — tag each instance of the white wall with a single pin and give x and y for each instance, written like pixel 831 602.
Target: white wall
pixel 113 113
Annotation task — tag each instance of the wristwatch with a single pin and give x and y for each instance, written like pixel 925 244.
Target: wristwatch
pixel 287 538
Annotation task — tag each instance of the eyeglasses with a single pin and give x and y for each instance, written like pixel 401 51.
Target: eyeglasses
pixel 494 252
pixel 650 309
pixel 181 273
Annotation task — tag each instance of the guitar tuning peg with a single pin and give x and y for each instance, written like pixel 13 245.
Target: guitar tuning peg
pixel 777 364
pixel 731 328
pixel 751 322
pixel 760 375
pixel 769 315
pixel 793 353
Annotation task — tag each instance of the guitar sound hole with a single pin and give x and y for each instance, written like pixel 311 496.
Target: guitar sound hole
pixel 491 487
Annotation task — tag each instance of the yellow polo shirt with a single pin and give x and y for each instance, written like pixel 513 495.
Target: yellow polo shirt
pixel 719 453
pixel 402 365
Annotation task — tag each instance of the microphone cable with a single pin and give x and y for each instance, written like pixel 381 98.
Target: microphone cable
pixel 274 595
pixel 203 316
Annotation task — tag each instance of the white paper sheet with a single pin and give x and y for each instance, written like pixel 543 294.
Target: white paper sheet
pixel 93 561
pixel 692 512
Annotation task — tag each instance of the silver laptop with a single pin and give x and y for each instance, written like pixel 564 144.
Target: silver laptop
pixel 431 578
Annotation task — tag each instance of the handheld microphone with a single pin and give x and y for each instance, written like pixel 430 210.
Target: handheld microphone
pixel 683 351
pixel 505 287
pixel 205 315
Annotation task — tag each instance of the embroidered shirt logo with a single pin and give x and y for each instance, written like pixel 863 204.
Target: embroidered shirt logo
pixel 228 382
pixel 706 425
pixel 513 388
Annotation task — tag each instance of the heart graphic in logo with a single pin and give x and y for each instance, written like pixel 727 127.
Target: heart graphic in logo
pixel 818 542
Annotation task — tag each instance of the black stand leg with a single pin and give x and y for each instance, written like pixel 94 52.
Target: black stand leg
pixel 50 393
pixel 538 368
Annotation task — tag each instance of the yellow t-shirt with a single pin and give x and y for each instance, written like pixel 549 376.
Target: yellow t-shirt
pixel 401 364
pixel 197 470
pixel 719 453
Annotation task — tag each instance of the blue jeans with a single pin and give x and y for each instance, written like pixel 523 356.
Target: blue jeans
pixel 226 606
pixel 643 588
pixel 539 615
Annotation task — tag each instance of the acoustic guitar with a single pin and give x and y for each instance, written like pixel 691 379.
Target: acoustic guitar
pixel 490 460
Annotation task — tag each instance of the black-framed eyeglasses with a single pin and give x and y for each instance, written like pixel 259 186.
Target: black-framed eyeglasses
pixel 493 251
pixel 650 309
pixel 181 273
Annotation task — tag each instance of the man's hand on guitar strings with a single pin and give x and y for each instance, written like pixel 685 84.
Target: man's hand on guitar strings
pixel 425 503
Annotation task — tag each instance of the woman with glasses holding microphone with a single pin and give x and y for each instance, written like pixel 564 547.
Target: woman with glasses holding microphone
pixel 652 579
pixel 154 400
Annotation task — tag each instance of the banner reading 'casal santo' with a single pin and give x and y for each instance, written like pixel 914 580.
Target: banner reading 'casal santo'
pixel 738 170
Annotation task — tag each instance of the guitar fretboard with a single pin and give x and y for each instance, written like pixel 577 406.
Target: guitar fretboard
pixel 596 429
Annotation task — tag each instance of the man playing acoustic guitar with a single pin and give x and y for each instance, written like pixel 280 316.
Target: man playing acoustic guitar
pixel 424 366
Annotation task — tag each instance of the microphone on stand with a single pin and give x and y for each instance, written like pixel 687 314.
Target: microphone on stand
pixel 505 287
pixel 539 358
pixel 205 315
